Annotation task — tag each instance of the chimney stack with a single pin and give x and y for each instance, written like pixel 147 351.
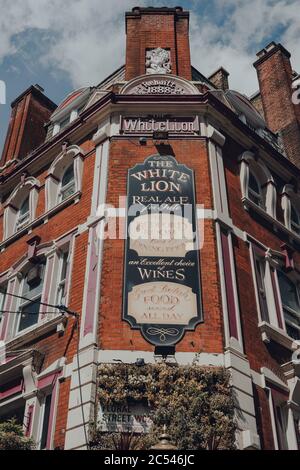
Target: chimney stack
pixel 30 111
pixel 151 28
pixel 220 79
pixel 275 77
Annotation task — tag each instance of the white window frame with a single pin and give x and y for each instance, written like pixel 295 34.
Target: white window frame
pixel 64 258
pixel 3 297
pixel 287 309
pixel 295 226
pixel 73 154
pixel 290 198
pixel 23 303
pixel 65 188
pixel 24 219
pixel 273 325
pixel 249 162
pixel 30 187
pixel 42 417
pixel 253 194
pixel 69 109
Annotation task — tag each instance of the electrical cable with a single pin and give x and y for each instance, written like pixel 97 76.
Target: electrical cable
pixel 63 309
pixel 26 313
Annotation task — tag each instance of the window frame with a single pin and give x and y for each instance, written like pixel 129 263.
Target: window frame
pixel 251 163
pixel 23 304
pixel 24 219
pixel 295 226
pixel 64 188
pixel 286 308
pixel 252 194
pixel 72 155
pixel 3 297
pixel 64 265
pixel 44 425
pixel 29 188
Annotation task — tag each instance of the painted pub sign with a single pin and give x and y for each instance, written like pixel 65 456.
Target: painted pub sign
pixel 162 295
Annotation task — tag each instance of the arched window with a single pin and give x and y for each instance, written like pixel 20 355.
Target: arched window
pixel 295 220
pixel 254 190
pixel 290 203
pixel 20 207
pixel 23 216
pixel 67 187
pixel 64 178
pixel 257 184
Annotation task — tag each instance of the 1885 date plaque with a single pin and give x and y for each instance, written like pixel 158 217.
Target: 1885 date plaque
pixel 162 294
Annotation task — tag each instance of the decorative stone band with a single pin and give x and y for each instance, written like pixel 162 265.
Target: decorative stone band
pixel 158 84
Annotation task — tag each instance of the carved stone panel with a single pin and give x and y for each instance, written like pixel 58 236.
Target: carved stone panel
pixel 158 61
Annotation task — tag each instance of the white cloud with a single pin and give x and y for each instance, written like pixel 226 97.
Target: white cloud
pixel 87 37
pixel 247 26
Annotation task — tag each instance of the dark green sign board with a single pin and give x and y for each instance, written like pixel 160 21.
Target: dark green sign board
pixel 162 295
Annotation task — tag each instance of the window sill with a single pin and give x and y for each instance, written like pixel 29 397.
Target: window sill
pixel 249 205
pixel 74 199
pixel 271 333
pixel 36 332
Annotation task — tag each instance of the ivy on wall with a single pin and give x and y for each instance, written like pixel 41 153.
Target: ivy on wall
pixel 194 402
pixel 12 437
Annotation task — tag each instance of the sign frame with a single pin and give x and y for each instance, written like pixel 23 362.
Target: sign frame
pixel 163 334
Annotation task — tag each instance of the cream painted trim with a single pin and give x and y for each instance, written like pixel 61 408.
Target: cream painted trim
pixel 129 357
pixel 100 185
pixel 42 219
pixel 268 375
pixel 270 332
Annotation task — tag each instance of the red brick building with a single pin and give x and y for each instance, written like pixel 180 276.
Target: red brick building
pixel 238 158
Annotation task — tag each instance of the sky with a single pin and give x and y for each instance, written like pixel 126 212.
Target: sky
pixel 65 44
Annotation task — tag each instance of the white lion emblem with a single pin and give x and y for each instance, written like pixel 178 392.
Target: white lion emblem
pixel 158 61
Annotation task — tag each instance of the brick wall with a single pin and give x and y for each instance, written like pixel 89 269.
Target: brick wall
pixel 275 81
pixel 259 354
pixel 149 29
pixel 26 127
pixel 117 334
pixel 52 345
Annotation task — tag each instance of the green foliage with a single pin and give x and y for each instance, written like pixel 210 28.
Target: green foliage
pixel 12 437
pixel 195 403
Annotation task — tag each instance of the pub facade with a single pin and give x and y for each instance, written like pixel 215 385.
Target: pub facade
pixel 153 217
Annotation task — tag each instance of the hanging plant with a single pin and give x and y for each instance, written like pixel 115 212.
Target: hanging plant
pixel 194 402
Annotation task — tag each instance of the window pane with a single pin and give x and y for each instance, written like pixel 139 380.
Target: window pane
pixel 68 176
pixel 45 429
pixel 33 283
pixel 25 207
pixel 3 290
pixel 65 123
pixel 23 215
pixel 295 222
pixel 32 290
pixel 29 314
pixel 64 266
pixel 260 275
pixel 15 410
pixel 292 331
pixel 253 184
pixel 294 215
pixel 67 183
pixel 288 292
